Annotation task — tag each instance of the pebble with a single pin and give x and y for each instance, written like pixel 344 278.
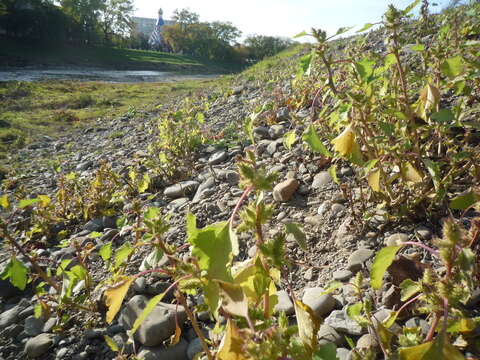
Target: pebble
pixel 320 304
pixel 340 321
pixel 308 274
pixel 176 352
pixel 38 345
pixel 423 233
pixel 276 131
pixel 342 275
pixel 367 341
pixel 328 334
pixel 321 180
pixel 158 326
pixel 284 304
pixel 194 347
pixel 358 258
pixel 33 326
pixel 181 189
pixel 218 158
pixel 396 239
pixel 284 191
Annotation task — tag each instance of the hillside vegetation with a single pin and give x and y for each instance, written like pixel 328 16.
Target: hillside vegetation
pixel 323 204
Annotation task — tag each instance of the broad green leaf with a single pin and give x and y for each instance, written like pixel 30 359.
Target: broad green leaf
pixel 444 116
pixel 383 260
pixel 410 7
pixel 453 67
pixel 234 300
pixel 122 254
pixel 289 139
pixel 17 273
pixel 464 201
pixel 106 251
pixel 369 165
pixel 311 138
pixel 4 201
pixel 385 335
pixel 409 288
pixel 434 171
pixel 213 249
pixel 365 27
pixel 111 343
pixel 439 349
pixel 298 234
pixel 332 170
pixel 248 128
pixel 326 352
pixel 148 309
pixel 344 142
pixel 232 345
pixel 27 202
pixel 388 322
pixel 365 69
pixel 390 60
pixel 114 297
pixel 151 213
pixel 374 180
pixel 79 272
pixel 308 324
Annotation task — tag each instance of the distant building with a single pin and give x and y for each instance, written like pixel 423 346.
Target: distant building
pixel 152 29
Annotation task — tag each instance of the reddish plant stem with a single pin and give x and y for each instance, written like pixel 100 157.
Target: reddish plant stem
pixel 239 203
pixel 431 332
pixel 423 246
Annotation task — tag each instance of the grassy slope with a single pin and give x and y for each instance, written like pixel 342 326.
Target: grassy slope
pixel 13 54
pixel 29 109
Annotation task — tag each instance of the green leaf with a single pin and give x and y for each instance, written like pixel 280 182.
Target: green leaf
pixel 289 139
pixel 248 128
pixel 4 201
pixel 418 47
pixel 409 288
pixel 365 69
pixel 343 30
pixel 439 349
pixel 27 202
pixel 298 234
pixel 303 33
pixel 463 202
pixel 390 59
pixel 122 254
pixel 410 7
pixel 453 67
pixel 148 309
pixel 444 116
pixel 305 64
pixel 106 251
pixel 311 138
pixel 111 343
pixel 333 173
pixel 16 272
pixel 79 272
pixel 213 249
pixel 151 213
pixel 434 171
pixel 326 352
pixel 365 27
pixel 383 260
pixel 354 312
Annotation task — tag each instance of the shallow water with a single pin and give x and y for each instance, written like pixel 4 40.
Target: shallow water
pixel 85 74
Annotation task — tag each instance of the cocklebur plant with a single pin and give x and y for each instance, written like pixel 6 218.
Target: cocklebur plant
pixel 441 294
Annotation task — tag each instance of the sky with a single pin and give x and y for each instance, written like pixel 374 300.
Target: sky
pixel 279 17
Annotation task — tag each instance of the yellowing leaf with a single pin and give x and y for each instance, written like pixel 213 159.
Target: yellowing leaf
pixel 289 139
pixel 308 324
pixel 234 300
pixel 231 347
pixel 428 101
pixel 439 349
pixel 344 142
pixel 4 201
pixel 411 174
pixel 114 297
pixel 44 200
pixel 374 180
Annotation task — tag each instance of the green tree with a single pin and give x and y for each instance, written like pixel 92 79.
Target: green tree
pixel 185 17
pixel 262 46
pixel 86 13
pixel 225 31
pixel 116 18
